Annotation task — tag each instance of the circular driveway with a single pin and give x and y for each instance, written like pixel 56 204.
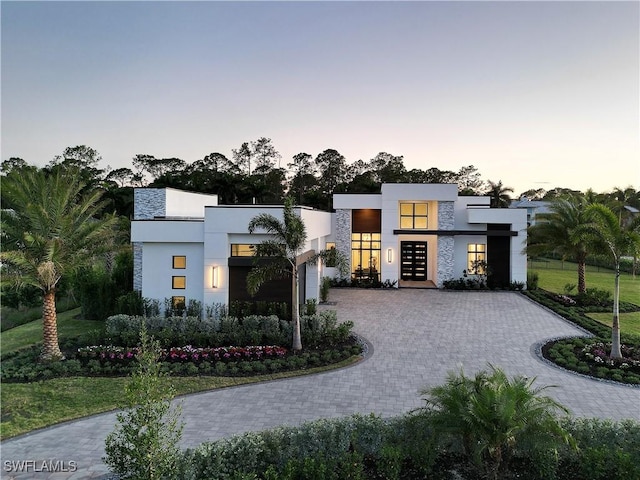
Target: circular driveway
pixel 417 337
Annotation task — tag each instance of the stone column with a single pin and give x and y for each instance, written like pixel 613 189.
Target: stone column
pixel 446 221
pixel 343 234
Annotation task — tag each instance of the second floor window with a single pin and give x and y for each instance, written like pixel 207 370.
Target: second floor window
pixel 413 216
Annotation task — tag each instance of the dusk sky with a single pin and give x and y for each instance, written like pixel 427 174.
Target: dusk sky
pixel 536 94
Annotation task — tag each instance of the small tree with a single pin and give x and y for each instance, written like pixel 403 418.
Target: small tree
pixel 144 443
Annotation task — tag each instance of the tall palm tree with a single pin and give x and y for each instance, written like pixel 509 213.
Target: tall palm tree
pixel 51 229
pixel 499 194
pixel 615 240
pixel 288 238
pixel 557 231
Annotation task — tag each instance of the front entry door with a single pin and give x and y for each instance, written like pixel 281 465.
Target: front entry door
pixel 413 261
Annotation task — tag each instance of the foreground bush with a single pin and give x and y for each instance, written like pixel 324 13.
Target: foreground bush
pixel 407 448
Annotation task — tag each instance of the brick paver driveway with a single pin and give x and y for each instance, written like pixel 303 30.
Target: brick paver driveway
pixel 417 336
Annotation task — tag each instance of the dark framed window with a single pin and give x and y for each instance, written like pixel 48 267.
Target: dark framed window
pixel 242 250
pixel 178 304
pixel 179 261
pixel 476 257
pixel 414 216
pixel 365 254
pixel 178 283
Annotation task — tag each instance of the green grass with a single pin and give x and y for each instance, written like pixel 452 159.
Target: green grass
pixel 31 333
pixel 29 406
pixel 629 322
pixel 554 275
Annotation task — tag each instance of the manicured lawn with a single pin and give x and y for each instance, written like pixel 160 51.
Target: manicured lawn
pixel 629 322
pixel 554 275
pixel 31 333
pixel 28 406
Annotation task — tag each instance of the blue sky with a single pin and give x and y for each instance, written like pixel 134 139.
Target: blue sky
pixel 536 94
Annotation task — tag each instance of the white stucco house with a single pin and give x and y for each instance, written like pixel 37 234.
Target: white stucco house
pixel 187 246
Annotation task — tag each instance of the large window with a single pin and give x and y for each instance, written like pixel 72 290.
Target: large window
pixel 242 250
pixel 413 216
pixel 476 258
pixel 179 261
pixel 365 254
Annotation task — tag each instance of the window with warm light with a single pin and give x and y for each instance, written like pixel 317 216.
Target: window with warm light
pixel 414 216
pixel 179 283
pixel 242 250
pixel 178 303
pixel 365 254
pixel 476 256
pixel 330 247
pixel 179 261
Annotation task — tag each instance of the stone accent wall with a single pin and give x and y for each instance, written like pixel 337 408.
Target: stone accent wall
pixel 445 259
pixel 446 216
pixel 149 203
pixel 343 233
pixel 446 221
pixel 137 266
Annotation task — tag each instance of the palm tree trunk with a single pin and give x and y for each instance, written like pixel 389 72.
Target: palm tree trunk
pixel 615 327
pixel 295 310
pixel 582 278
pixel 50 348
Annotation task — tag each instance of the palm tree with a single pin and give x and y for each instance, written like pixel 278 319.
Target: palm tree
pixel 613 239
pixel 491 416
pixel 499 194
pixel 50 231
pixel 289 237
pixel 557 231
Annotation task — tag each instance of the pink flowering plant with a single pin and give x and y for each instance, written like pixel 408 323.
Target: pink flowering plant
pixel 187 353
pixel 598 353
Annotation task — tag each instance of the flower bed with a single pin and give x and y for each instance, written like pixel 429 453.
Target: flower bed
pixel 184 354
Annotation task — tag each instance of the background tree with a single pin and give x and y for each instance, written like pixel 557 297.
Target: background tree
pixel 499 194
pixel 332 170
pixel 469 181
pixel 288 238
pixel 613 239
pixel 52 230
pixel 301 176
pixel 557 232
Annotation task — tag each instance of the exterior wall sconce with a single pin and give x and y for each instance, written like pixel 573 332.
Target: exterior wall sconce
pixel 214 276
pixel 389 255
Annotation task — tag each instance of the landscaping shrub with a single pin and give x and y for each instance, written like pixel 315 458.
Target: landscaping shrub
pixel 406 447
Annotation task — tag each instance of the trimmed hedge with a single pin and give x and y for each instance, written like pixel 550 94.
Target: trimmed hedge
pixel 370 447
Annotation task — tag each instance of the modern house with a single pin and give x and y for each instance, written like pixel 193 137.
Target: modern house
pixel 187 246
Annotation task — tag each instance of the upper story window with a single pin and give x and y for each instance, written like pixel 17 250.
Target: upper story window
pixel 413 215
pixel 179 261
pixel 242 250
pixel 179 283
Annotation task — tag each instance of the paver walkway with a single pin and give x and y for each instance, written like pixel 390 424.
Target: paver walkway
pixel 417 336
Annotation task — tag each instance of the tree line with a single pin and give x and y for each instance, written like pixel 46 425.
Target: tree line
pixel 255 172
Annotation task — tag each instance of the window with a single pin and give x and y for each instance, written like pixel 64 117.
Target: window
pixel 365 254
pixel 476 258
pixel 413 216
pixel 242 250
pixel 179 283
pixel 178 304
pixel 179 261
pixel 331 257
